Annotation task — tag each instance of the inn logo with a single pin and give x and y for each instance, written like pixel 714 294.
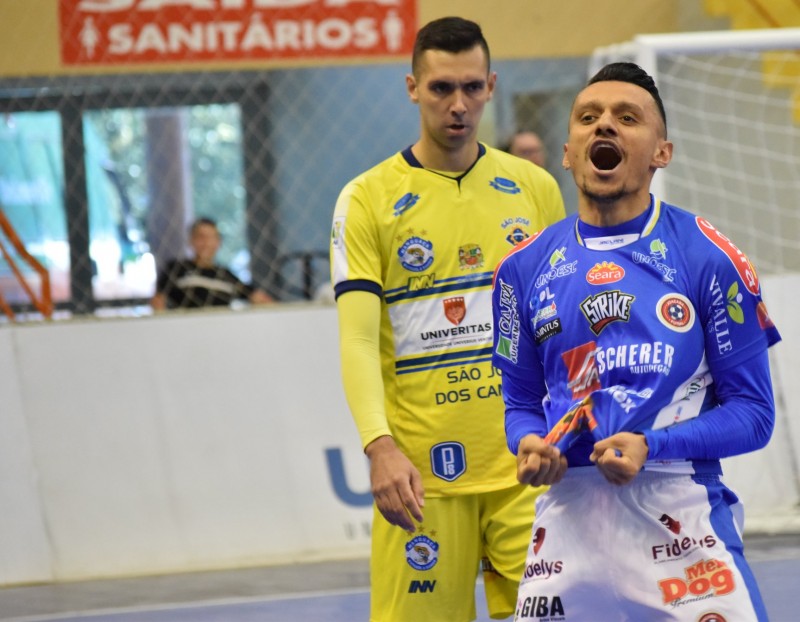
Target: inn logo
pixel 421 586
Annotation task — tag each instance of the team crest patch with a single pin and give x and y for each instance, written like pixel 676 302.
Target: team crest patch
pixel 676 312
pixel 470 256
pixel 455 309
pixel 416 254
pixel 422 553
pixel 517 235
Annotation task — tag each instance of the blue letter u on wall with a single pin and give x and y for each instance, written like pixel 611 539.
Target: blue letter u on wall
pixel 333 457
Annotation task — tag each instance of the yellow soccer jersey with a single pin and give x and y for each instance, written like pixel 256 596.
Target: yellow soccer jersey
pixel 427 244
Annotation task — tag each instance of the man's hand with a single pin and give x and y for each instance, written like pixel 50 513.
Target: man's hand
pixel 620 457
pixel 396 483
pixel 538 462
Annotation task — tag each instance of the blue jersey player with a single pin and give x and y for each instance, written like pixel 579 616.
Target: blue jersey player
pixel 632 340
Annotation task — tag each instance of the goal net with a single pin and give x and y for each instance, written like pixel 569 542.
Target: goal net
pixel 733 113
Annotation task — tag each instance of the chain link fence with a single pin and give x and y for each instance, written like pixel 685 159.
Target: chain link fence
pixel 102 175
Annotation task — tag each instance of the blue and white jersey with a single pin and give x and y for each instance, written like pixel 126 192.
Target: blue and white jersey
pixel 629 328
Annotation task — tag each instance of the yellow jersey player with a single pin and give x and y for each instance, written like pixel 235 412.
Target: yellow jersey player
pixel 415 241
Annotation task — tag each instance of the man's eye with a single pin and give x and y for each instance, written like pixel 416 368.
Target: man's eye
pixel 441 88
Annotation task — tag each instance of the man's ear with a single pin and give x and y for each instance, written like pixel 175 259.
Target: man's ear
pixel 663 154
pixel 491 82
pixel 565 159
pixel 411 88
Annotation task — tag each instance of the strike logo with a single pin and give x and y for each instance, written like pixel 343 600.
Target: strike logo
pixel 709 577
pixel 605 273
pixel 607 307
pixel 746 270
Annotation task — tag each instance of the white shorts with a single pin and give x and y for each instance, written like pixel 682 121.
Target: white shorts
pixel 664 547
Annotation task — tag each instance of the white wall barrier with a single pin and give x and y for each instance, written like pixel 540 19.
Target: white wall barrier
pixel 217 440
pixel 176 443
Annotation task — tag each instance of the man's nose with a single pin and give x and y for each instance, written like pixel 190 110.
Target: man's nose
pixel 459 105
pixel 606 123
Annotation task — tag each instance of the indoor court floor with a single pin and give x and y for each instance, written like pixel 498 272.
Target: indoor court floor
pixel 334 591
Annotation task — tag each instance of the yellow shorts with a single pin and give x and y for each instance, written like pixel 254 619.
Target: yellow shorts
pixel 430 576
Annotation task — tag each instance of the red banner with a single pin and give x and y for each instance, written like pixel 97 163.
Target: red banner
pixel 100 32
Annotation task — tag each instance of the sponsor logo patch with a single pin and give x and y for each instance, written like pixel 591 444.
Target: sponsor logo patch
pixel 763 317
pixel 337 232
pixel 746 270
pixel 538 539
pixel 455 309
pixel 558 268
pixel 607 307
pixel 547 330
pixel 705 579
pixel 505 185
pixel 539 608
pixel 448 460
pixel 605 273
pixel 582 374
pixel 405 203
pixel 508 324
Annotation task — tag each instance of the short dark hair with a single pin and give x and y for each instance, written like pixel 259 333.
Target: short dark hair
pixel 449 34
pixel 633 73
pixel 203 221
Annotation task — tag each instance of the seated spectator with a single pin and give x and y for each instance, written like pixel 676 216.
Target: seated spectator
pixel 200 282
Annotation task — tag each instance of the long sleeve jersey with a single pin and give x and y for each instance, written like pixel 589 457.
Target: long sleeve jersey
pixel 656 326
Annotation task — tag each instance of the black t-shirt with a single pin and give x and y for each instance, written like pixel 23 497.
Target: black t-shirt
pixel 187 286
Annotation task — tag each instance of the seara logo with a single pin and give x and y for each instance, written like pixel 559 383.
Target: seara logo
pixel 605 273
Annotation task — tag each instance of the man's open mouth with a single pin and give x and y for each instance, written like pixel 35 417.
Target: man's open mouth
pixel 605 156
